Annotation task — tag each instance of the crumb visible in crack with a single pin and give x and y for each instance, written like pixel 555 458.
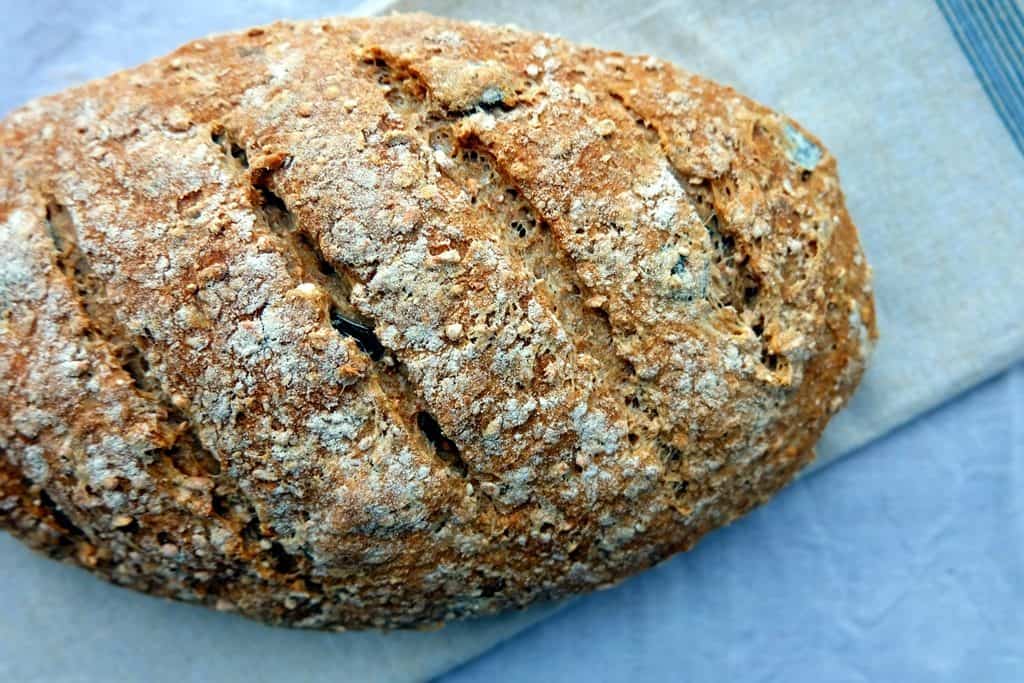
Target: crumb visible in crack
pixel 186 452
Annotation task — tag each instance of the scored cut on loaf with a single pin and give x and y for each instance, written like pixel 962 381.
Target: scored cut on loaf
pixel 386 322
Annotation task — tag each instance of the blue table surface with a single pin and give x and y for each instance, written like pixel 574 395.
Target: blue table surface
pixel 903 562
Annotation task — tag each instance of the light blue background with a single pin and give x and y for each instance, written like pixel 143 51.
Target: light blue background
pixel 905 562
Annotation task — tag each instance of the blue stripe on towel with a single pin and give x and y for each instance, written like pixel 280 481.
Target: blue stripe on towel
pixel 991 35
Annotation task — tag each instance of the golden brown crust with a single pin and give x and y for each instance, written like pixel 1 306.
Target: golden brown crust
pixel 386 322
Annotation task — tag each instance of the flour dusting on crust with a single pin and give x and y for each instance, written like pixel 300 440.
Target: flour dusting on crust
pixel 387 322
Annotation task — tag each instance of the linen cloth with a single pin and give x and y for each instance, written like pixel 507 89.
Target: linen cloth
pixel 928 168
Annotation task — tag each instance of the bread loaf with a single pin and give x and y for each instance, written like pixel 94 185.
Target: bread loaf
pixel 387 322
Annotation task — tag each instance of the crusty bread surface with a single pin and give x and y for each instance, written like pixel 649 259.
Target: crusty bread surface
pixel 388 322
